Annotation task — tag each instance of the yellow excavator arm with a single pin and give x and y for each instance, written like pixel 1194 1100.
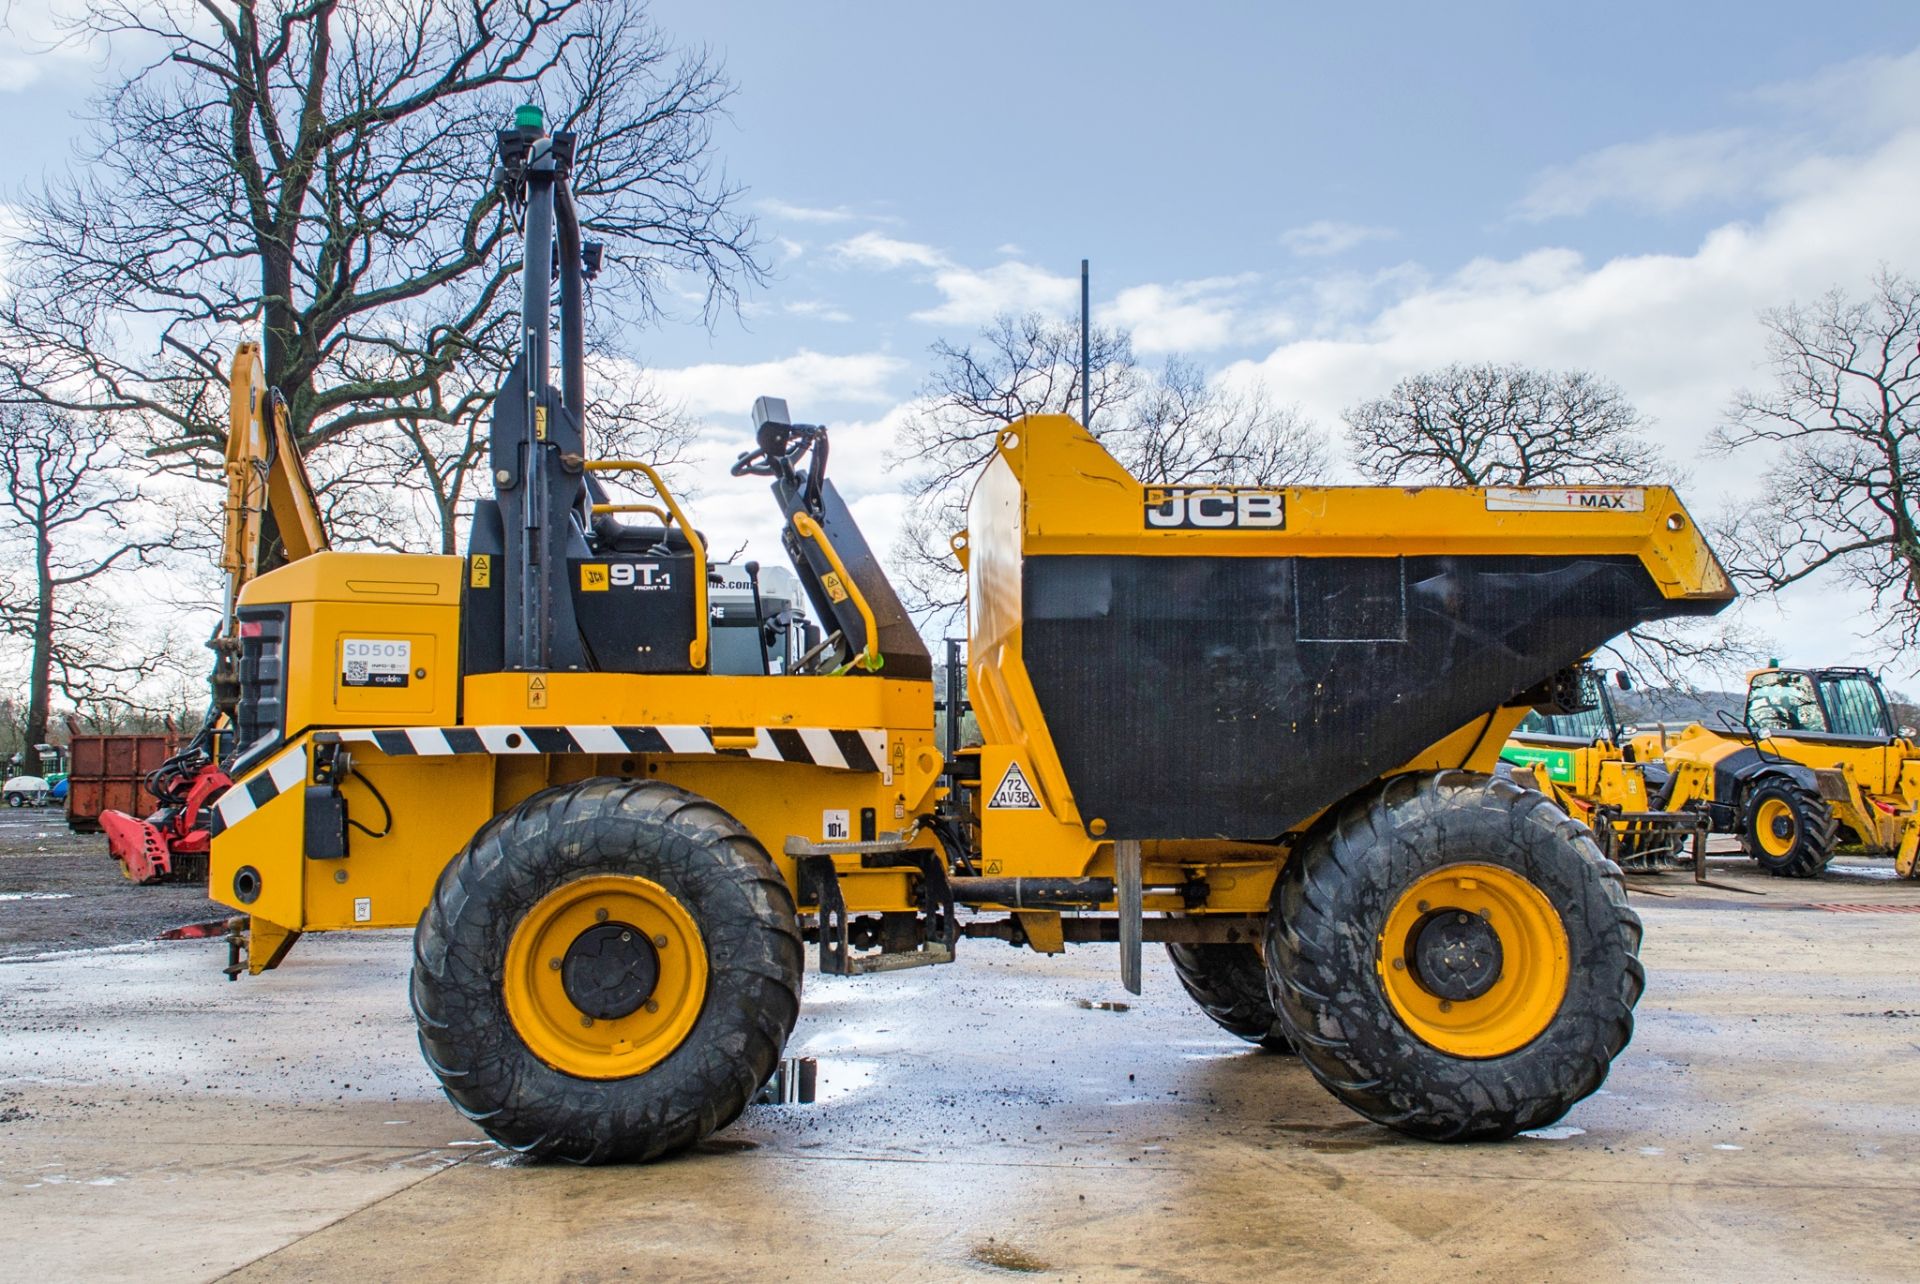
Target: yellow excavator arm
pixel 264 476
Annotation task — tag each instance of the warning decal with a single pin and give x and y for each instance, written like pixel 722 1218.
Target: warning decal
pixel 368 662
pixel 1593 499
pixel 1014 793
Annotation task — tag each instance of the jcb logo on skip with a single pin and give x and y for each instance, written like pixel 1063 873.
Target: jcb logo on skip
pixel 1214 508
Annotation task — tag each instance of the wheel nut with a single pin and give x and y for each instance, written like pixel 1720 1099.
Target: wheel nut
pixel 554 964
pixel 1399 965
pixel 1446 1005
pixel 626 936
pixel 1461 919
pixel 660 941
pixel 653 1005
pixel 586 1021
pixel 599 916
pixel 1423 907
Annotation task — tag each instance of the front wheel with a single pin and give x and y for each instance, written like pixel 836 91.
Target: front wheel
pixel 16 800
pixel 1454 958
pixel 608 972
pixel 1788 830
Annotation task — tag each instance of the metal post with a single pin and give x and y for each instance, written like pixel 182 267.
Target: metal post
pixel 1127 899
pixel 1086 353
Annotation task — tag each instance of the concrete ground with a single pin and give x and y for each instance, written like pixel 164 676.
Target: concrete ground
pixel 990 1118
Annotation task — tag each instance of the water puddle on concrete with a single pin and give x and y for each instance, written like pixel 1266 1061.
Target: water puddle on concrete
pixel 35 896
pixel 1559 1132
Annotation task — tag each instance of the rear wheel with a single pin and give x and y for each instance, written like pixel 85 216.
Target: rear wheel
pixel 1788 830
pixel 1454 958
pixel 608 972
pixel 1229 982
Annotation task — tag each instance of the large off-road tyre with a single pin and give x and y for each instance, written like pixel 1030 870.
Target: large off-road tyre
pixel 1229 982
pixel 1788 830
pixel 1453 957
pixel 608 972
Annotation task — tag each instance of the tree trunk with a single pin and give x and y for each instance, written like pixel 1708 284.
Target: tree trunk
pixel 40 668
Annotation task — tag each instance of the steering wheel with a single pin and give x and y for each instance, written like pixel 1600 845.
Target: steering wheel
pixel 780 450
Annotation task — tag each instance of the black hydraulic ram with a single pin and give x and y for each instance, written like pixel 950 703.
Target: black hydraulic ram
pixel 1032 893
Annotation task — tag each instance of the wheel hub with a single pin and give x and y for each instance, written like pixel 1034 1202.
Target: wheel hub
pixel 1783 826
pixel 610 970
pixel 1456 955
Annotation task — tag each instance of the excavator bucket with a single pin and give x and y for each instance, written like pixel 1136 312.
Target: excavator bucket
pixel 1190 662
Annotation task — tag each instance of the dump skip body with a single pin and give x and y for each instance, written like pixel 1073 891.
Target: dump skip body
pixel 1206 662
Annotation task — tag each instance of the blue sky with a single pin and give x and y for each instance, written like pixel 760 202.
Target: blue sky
pixel 1316 198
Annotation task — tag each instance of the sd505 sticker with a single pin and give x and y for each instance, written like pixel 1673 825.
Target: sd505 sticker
pixel 374 662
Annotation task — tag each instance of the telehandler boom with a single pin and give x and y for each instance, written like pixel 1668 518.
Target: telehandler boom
pixel 1252 724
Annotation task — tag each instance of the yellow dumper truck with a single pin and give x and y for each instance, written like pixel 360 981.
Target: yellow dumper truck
pixel 1255 725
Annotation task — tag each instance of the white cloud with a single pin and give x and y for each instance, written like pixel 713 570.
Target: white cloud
pixel 815 310
pixel 1187 316
pixel 805 213
pixel 876 250
pixel 974 297
pixel 1327 237
pixel 1847 109
pixel 805 379
pixel 1659 175
pixel 969 296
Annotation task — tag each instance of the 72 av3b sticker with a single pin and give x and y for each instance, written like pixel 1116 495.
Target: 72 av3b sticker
pixel 1014 793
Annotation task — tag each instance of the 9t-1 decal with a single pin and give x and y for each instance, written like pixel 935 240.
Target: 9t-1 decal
pixel 1215 508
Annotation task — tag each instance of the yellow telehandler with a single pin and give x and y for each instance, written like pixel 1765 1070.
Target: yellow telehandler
pixel 1590 764
pixel 1816 762
pixel 1253 724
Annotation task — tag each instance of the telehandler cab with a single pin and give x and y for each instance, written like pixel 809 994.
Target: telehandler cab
pixel 1253 724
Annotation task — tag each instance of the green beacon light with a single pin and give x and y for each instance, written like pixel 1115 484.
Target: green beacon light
pixel 529 117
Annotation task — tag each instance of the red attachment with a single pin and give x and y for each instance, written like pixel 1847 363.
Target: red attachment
pixel 146 849
pixel 201 931
pixel 140 848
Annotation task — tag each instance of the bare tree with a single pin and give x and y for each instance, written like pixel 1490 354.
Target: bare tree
pixel 1510 425
pixel 413 482
pixel 68 517
pixel 1499 425
pixel 1842 496
pixel 1167 427
pixel 322 171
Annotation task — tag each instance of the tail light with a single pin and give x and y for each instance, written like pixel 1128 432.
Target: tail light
pixel 260 720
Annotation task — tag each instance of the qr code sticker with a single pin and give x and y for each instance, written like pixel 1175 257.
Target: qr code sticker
pixel 356 670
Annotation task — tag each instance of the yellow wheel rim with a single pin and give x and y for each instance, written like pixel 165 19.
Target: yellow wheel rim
pixel 1776 828
pixel 591 929
pixel 1474 960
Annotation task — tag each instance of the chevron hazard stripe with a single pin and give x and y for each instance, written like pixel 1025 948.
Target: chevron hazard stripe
pixel 836 748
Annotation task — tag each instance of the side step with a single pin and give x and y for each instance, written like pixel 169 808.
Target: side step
pixel 934 929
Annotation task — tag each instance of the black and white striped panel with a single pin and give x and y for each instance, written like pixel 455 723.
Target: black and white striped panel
pixel 244 797
pixel 842 750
